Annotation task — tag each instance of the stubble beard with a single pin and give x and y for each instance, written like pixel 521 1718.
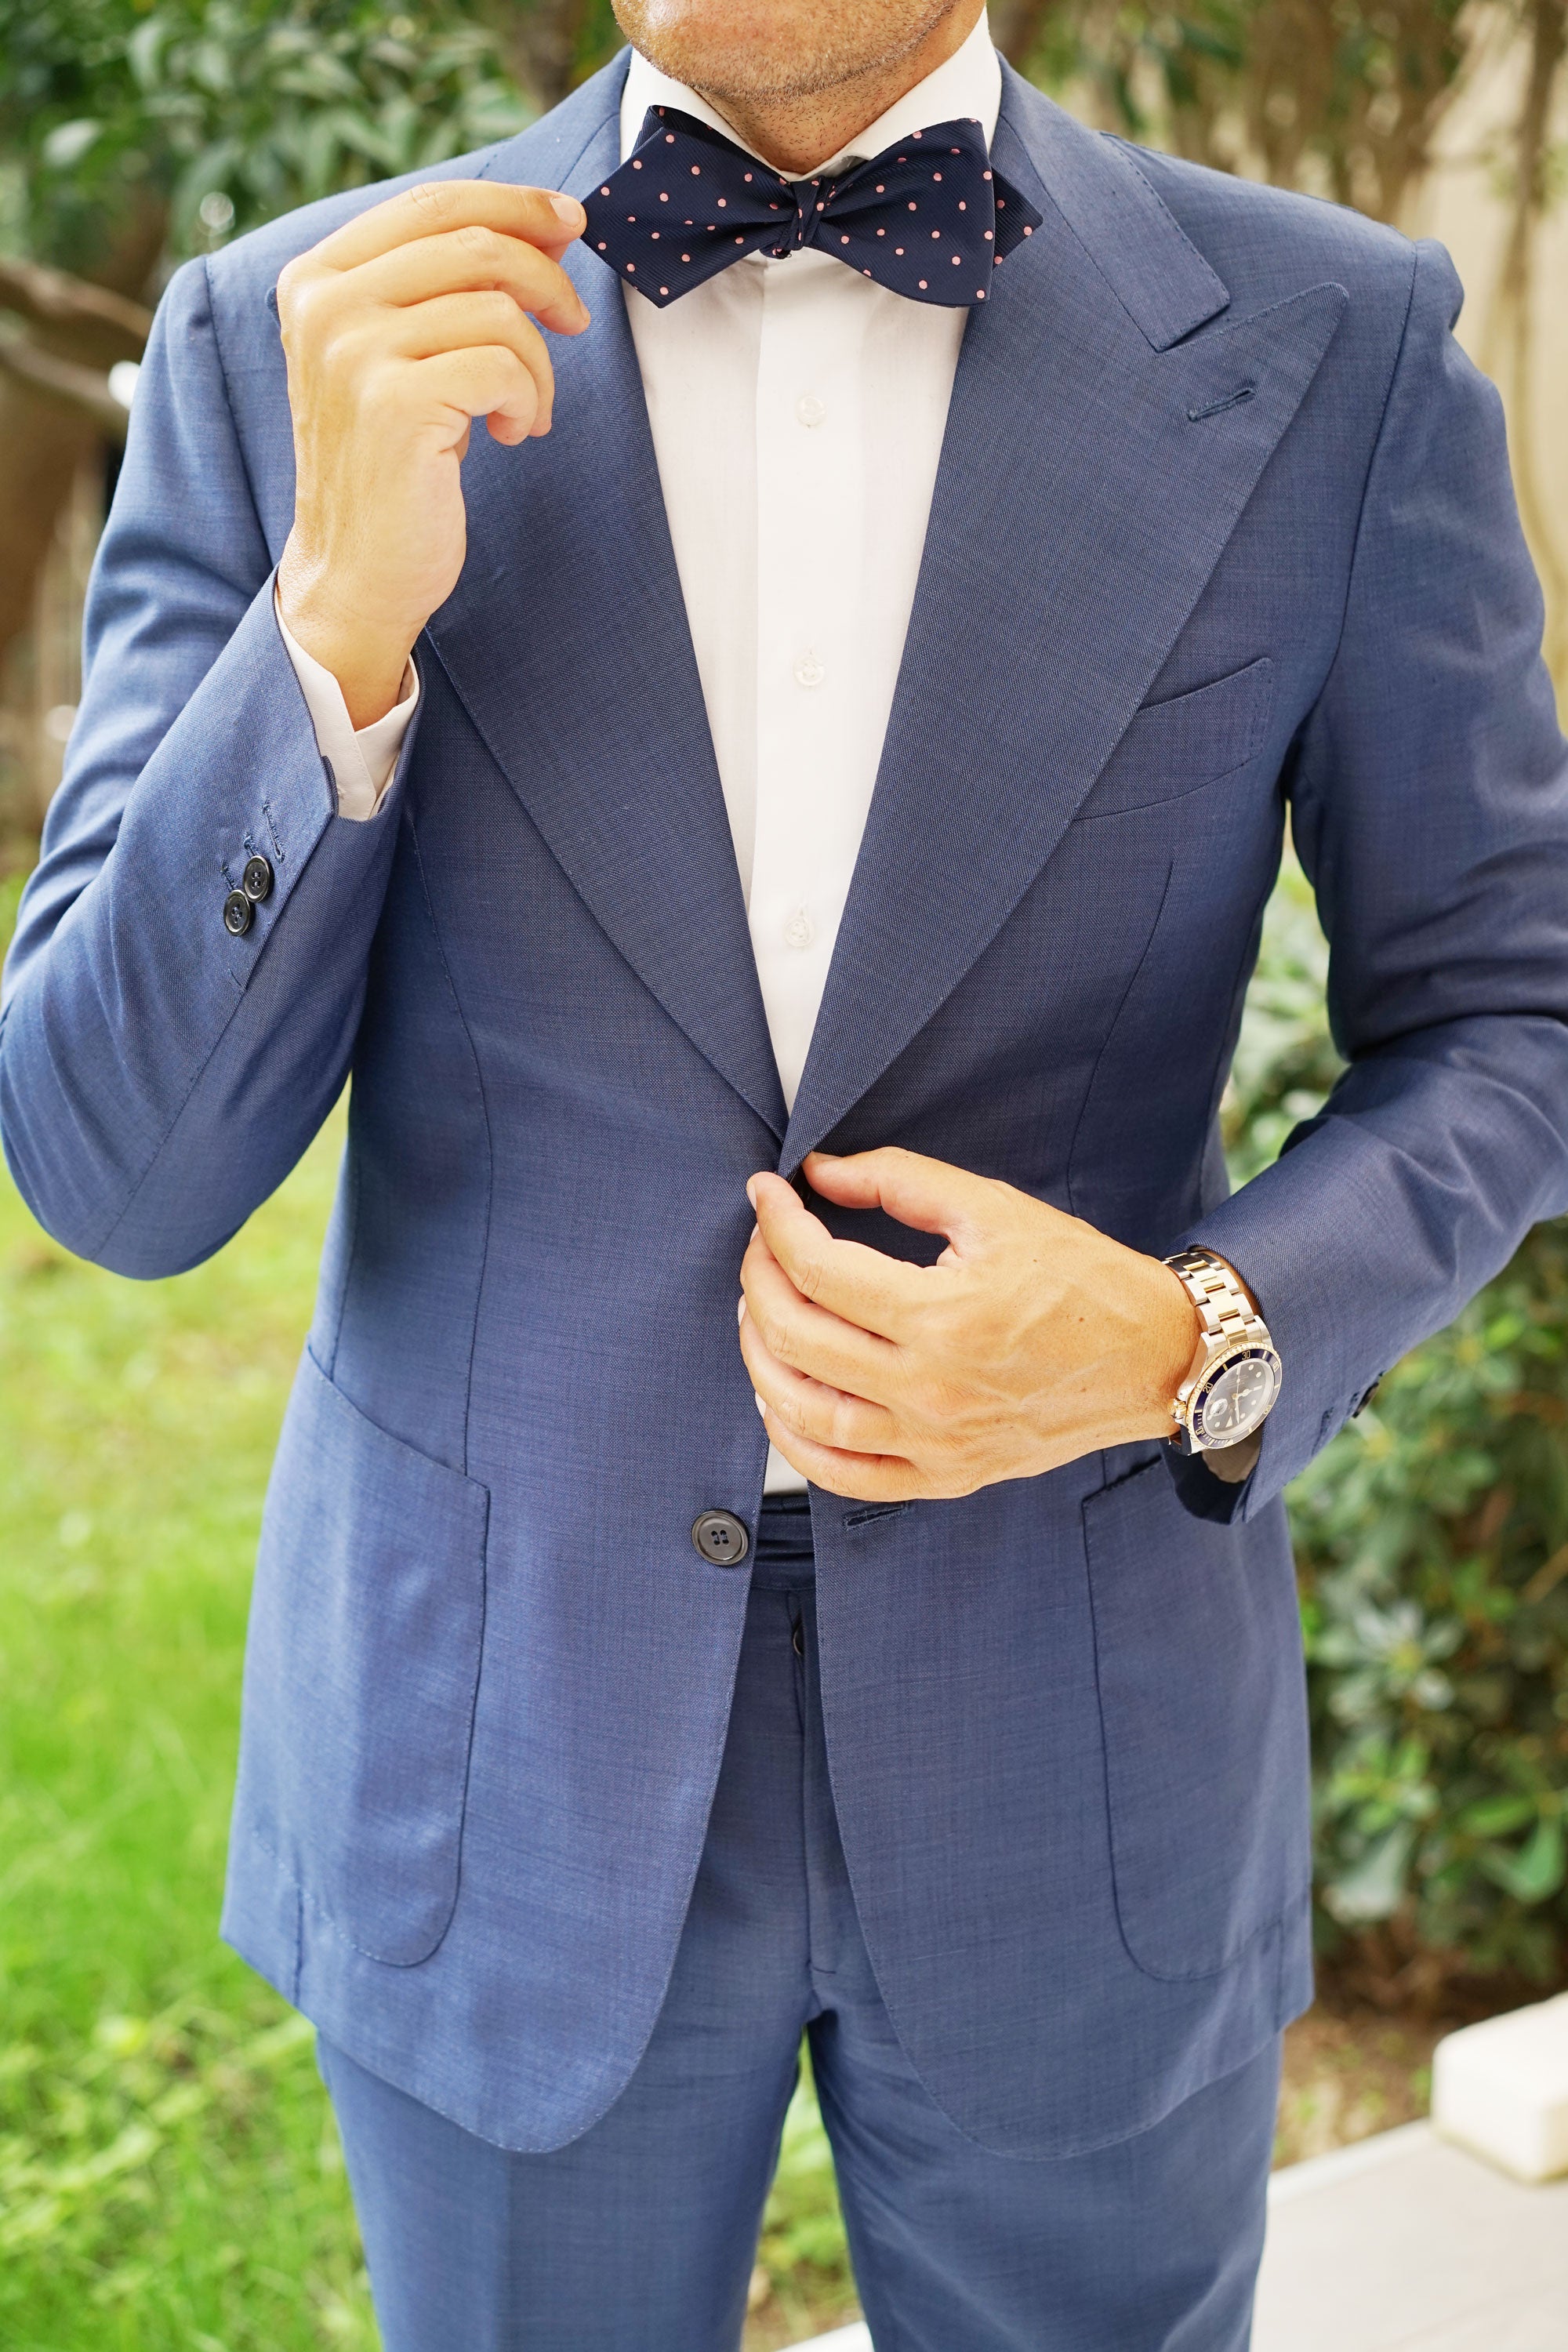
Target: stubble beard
pixel 820 55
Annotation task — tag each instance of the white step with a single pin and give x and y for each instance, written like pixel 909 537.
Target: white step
pixel 1404 2243
pixel 1501 2088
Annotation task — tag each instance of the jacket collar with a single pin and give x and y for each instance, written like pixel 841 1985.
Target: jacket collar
pixel 1089 480
pixel 1093 469
pixel 577 663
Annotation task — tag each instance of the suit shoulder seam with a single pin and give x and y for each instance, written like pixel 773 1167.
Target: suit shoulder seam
pixel 228 398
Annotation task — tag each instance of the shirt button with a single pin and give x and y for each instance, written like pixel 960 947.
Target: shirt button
pixel 809 671
pixel 720 1538
pixel 800 931
pixel 809 409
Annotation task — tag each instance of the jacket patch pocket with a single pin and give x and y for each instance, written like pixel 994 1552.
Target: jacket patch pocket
pixel 1172 748
pixel 362 1669
pixel 1203 1701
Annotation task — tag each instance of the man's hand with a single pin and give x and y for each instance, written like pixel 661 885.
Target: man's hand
pixel 399 329
pixel 1033 1338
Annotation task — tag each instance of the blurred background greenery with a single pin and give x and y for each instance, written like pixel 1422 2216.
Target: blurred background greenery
pixel 168 2172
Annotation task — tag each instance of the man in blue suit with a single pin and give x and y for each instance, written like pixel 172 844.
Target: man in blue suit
pixel 780 823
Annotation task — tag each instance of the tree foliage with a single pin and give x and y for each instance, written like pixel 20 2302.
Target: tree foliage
pixel 1338 97
pixel 221 113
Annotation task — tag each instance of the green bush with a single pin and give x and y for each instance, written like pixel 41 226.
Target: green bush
pixel 229 111
pixel 1432 1542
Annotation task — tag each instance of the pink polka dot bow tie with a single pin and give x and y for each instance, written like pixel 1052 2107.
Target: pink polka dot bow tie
pixel 928 217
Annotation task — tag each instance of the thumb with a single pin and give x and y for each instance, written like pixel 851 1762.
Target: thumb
pixel 929 1194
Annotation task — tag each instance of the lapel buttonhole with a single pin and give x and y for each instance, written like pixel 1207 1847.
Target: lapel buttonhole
pixel 1217 407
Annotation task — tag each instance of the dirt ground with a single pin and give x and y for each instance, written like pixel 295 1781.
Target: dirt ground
pixel 1349 2074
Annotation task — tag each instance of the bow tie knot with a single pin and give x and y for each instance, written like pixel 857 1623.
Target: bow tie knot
pixel 928 217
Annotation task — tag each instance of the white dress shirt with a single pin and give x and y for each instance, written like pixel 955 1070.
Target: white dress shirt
pixel 797 412
pixel 361 763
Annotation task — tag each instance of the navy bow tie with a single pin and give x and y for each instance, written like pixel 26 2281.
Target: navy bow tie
pixel 927 217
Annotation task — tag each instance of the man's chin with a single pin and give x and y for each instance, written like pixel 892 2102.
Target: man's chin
pixel 760 50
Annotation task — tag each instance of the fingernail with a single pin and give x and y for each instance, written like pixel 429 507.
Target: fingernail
pixel 752 1190
pixel 567 209
pixel 762 1408
pixel 740 1310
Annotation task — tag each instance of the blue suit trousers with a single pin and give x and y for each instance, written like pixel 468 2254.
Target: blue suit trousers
pixel 640 2236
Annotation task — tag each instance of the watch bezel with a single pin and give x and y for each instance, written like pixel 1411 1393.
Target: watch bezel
pixel 1206 1382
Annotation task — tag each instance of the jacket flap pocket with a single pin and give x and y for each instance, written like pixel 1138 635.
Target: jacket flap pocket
pixel 361 1669
pixel 1172 748
pixel 1197 1641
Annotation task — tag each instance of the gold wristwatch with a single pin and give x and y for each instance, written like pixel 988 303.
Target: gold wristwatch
pixel 1235 1375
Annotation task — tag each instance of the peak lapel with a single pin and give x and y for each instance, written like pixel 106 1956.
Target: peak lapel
pixel 577 664
pixel 1091 474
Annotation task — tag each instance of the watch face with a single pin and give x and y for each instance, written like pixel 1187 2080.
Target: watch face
pixel 1235 1396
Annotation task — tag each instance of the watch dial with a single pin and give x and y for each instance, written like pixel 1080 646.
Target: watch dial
pixel 1241 1395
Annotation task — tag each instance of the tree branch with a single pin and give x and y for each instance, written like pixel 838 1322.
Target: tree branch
pixel 51 298
pixel 58 380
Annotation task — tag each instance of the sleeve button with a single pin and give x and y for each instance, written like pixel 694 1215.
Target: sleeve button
pixel 237 914
pixel 258 879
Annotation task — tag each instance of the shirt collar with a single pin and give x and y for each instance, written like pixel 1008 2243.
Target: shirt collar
pixel 968 84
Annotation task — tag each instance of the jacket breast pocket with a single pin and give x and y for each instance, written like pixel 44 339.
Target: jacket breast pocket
pixel 1174 747
pixel 1203 1702
pixel 362 1670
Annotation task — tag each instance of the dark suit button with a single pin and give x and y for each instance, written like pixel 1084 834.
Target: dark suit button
pixel 258 880
pixel 239 914
pixel 721 1537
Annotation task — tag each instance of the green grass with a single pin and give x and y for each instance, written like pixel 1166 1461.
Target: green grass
pixel 169 2174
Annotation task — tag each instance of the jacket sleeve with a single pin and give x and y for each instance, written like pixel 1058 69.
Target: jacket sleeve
pixel 1430 809
pixel 159 1077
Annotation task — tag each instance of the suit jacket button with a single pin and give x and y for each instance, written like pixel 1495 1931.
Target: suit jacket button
pixel 239 914
pixel 721 1537
pixel 258 879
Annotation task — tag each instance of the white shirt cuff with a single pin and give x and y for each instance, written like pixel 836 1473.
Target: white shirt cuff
pixel 363 763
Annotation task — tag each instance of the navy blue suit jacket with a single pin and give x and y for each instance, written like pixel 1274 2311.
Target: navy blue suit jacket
pixel 1223 524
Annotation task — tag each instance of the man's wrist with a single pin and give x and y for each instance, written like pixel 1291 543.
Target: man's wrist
pixel 1172 1336
pixel 369 664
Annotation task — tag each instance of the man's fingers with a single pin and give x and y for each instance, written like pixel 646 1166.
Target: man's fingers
pixel 860 1478
pixel 811 1408
pixel 469 260
pixel 929 1194
pixel 811 1339
pixel 491 382
pixel 863 1285
pixel 437 207
pixel 461 322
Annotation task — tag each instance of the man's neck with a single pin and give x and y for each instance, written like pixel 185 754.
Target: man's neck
pixel 795 132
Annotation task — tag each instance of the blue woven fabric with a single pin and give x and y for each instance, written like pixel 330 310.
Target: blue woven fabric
pixel 1222 527
pixel 640 2236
